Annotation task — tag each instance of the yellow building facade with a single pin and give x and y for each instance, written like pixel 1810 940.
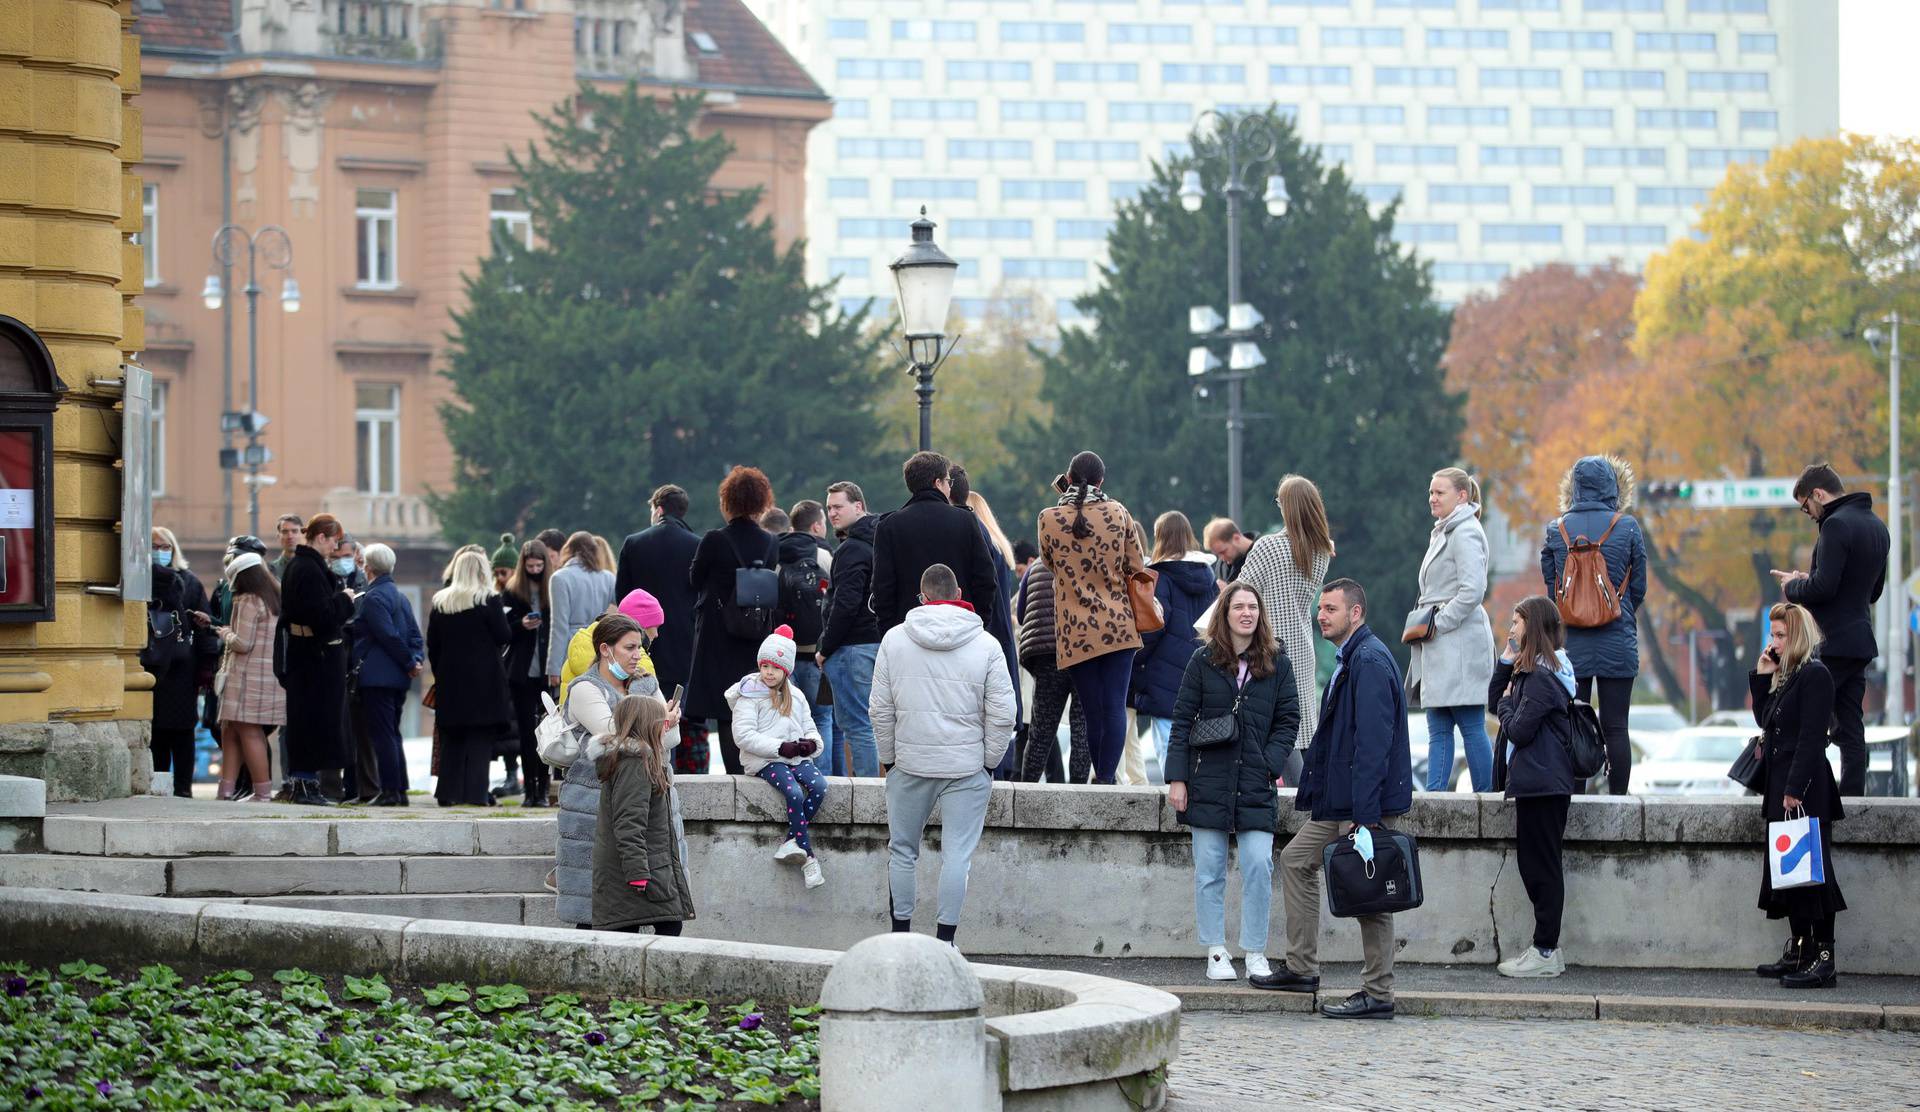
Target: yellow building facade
pixel 73 698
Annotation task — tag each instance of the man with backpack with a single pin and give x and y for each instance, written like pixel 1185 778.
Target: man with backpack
pixel 1594 562
pixel 803 606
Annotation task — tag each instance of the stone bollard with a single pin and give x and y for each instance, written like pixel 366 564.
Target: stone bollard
pixel 901 1028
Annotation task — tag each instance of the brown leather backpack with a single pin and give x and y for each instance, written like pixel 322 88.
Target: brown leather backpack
pixel 1586 597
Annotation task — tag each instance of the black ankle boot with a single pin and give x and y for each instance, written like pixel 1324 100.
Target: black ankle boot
pixel 902 926
pixel 1819 971
pixel 1791 960
pixel 946 933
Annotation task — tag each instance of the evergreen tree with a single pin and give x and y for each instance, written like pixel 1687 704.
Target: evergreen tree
pixel 653 334
pixel 1351 396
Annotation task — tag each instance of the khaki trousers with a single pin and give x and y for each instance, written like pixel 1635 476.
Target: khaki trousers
pixel 1300 874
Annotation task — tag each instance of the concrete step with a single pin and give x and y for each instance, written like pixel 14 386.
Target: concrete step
pixel 291 832
pixel 508 908
pixel 278 876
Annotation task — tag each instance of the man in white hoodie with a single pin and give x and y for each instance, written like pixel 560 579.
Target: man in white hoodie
pixel 943 716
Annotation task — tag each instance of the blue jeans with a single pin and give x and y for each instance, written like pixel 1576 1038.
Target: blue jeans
pixel 1472 722
pixel 806 677
pixel 1162 737
pixel 1100 685
pixel 1210 886
pixel 850 671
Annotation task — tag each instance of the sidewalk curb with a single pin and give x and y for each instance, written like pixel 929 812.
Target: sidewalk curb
pixel 1575 1006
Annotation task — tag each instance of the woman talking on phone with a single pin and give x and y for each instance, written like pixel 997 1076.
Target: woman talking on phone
pixel 1792 704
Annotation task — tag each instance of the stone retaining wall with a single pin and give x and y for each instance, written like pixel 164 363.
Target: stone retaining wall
pixel 1054 1040
pixel 1651 882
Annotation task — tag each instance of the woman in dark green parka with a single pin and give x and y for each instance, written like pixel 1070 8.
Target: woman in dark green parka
pixel 1223 786
pixel 638 876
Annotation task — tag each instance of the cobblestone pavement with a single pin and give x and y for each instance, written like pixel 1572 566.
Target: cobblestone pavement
pixel 1240 1063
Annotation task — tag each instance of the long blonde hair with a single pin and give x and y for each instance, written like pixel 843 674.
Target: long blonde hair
pixel 446 573
pixel 984 512
pixel 472 583
pixel 1308 533
pixel 1172 536
pixel 1803 636
pixel 639 730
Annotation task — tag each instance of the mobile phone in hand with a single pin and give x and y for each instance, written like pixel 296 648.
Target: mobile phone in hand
pixel 679 689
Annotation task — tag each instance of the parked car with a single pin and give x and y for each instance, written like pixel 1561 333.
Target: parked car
pixel 1692 761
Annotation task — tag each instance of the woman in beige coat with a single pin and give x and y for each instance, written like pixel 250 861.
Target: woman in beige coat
pixel 1449 673
pixel 1088 542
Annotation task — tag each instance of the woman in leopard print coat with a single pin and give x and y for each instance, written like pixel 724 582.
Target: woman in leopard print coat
pixel 1089 543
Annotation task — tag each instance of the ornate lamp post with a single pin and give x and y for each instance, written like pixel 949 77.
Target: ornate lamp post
pixel 273 243
pixel 1244 143
pixel 923 277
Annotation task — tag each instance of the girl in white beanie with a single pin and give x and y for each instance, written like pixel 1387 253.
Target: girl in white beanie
pixel 774 728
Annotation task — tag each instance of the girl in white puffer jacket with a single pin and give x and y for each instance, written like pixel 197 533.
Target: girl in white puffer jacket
pixel 773 726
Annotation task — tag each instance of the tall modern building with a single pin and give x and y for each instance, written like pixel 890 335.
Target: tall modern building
pixel 1515 132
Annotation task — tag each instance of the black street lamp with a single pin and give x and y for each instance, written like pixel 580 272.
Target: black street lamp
pixel 923 278
pixel 273 242
pixel 1244 142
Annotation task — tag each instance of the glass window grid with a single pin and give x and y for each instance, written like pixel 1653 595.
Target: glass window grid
pixel 1466 38
pixel 1727 81
pixel 848 188
pixel 975 149
pixel 1046 111
pixel 1043 268
pixel 1677 118
pixel 1470 272
pixel 376 214
pixel 1243 34
pixel 1519 233
pixel 507 210
pixel 848 266
pixel 1627 235
pixel 1416 154
pixel 1035 30
pixel 935 108
pixel 1676 42
pixel 150 239
pixel 1759 119
pixel 1362 36
pixel 376 417
pixel 1719 158
pixel 1554 116
pixel 1203 73
pixel 859 146
pixel 1095 150
pixel 1081 72
pixel 1468 193
pixel 1468 115
pixel 935 189
pixel 1572 40
pixel 1573 195
pixel 1423 77
pixel 1519 77
pixel 1363 114
pixel 1426 233
pixel 1759 42
pixel 1509 155
pixel 851 108
pixel 1081 228
pixel 879 69
pixel 1310 75
pixel 1154 34
pixel 934 30
pixel 1671 195
pixel 1042 189
pixel 988 69
pixel 846 28
pixel 1631 157
pixel 991 228
pixel 1633 79
pixel 1149 112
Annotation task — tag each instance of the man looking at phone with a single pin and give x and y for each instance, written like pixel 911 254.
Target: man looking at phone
pixel 1849 572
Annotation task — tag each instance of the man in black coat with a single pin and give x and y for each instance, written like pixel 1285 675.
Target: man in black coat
pixel 656 560
pixel 1849 572
pixel 851 642
pixel 924 532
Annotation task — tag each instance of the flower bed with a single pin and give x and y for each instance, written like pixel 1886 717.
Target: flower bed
pixel 84 1037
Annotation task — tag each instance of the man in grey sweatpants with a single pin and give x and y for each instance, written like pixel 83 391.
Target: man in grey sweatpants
pixel 943 716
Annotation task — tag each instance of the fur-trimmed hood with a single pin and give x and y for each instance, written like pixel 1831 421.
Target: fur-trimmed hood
pixel 1597 481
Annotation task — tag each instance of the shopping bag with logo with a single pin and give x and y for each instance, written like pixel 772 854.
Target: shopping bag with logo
pixel 1794 859
pixel 1359 882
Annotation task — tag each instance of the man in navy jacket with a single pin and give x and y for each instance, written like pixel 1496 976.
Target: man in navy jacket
pixel 1359 771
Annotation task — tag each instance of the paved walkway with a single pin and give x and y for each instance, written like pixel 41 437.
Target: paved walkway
pixel 1255 1063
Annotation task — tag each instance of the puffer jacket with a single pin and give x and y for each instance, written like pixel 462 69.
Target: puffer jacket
pixel 1535 720
pixel 1230 786
pixel 942 704
pixel 1034 610
pixel 759 729
pixel 635 840
pixel 578 820
pixel 1589 494
pixel 1185 589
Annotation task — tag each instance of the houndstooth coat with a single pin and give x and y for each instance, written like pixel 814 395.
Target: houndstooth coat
pixel 1291 601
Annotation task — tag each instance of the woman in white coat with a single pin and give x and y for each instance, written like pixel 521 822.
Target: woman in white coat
pixel 1450 670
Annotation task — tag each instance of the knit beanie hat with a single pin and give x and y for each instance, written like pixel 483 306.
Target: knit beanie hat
pixel 644 609
pixel 778 649
pixel 507 555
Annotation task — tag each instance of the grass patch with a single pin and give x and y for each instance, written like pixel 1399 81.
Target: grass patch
pixel 84 1037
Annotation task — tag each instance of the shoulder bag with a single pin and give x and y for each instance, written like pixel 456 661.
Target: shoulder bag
pixel 1422 625
pixel 1750 767
pixel 1147 614
pixel 1211 733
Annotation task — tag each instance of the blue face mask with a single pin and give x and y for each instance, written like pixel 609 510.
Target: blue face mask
pixel 619 673
pixel 163 557
pixel 342 567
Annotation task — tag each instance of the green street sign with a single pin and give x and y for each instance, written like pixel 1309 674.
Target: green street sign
pixel 1744 494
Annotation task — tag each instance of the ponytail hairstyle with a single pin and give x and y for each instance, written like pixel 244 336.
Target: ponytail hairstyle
pixel 1086 470
pixel 1464 483
pixel 639 730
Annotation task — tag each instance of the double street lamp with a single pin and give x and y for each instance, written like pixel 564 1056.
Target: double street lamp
pixel 1244 143
pixel 272 244
pixel 1896 649
pixel 923 278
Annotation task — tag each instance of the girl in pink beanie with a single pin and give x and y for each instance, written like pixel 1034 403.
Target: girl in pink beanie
pixel 774 729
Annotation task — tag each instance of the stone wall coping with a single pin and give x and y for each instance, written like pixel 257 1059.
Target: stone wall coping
pixel 1082 1028
pixel 22 797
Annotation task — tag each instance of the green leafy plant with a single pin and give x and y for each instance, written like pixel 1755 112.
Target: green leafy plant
pixel 499 998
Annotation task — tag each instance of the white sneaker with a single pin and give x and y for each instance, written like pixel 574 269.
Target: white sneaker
pixel 1257 966
pixel 789 851
pixel 1220 965
pixel 1534 964
pixel 811 870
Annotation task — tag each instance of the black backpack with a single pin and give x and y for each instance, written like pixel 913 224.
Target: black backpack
pixel 748 615
pixel 1584 746
pixel 803 599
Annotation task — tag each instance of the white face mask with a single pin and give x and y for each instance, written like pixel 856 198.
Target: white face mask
pixel 342 566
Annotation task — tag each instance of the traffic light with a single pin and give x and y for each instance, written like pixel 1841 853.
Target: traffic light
pixel 1669 490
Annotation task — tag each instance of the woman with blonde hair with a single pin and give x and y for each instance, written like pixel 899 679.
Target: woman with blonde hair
pixel 639 876
pixel 1288 569
pixel 1451 637
pixel 466 631
pixel 1793 704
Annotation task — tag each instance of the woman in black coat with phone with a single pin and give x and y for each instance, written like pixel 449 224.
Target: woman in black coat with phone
pixel 1532 693
pixel 1220 777
pixel 466 631
pixel 1793 704
pixel 525 606
pixel 720 658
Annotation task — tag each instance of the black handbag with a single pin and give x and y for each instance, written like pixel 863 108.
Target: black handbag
pixel 1211 733
pixel 1750 767
pixel 1388 883
pixel 756 594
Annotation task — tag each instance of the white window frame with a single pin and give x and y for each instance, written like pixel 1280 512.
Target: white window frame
pixel 157 440
pixel 150 232
pixel 367 220
pixel 380 423
pixel 518 221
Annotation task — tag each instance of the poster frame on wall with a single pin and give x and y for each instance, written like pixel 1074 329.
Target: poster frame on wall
pixel 31 410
